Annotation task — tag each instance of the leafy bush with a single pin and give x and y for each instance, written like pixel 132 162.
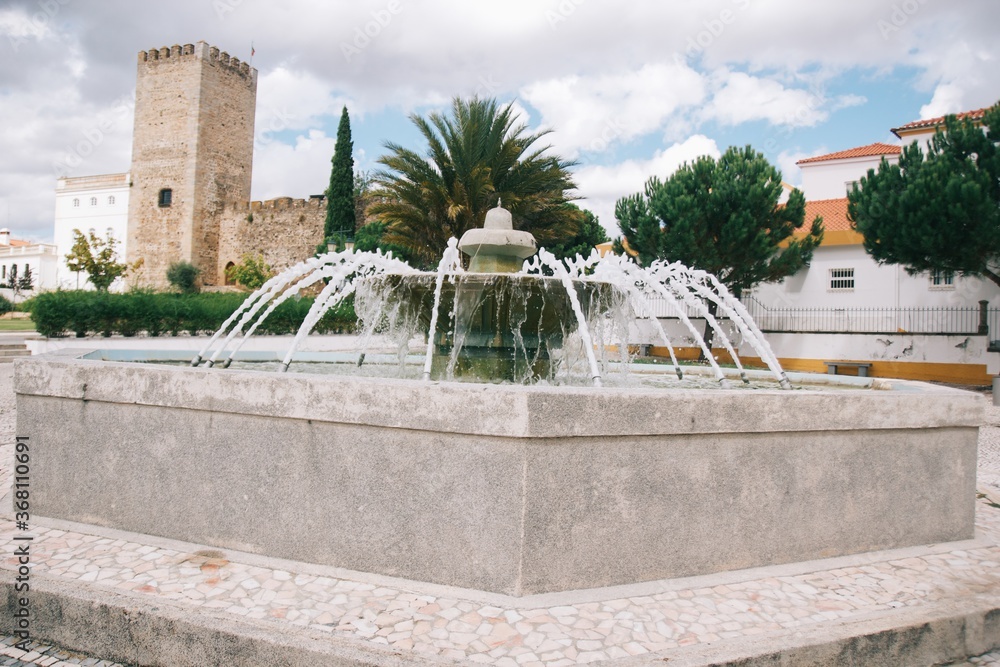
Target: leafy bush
pixel 85 312
pixel 183 276
pixel 251 272
pixel 5 305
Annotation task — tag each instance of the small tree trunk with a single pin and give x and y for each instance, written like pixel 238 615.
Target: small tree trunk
pixel 709 334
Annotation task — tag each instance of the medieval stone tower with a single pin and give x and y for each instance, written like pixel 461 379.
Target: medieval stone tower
pixel 192 155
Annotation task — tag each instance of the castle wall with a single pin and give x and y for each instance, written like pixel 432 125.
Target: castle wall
pixel 193 134
pixel 285 231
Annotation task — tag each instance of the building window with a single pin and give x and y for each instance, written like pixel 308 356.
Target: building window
pixel 4 272
pixel 111 200
pixel 93 201
pixel 76 202
pixel 942 279
pixel 841 280
pixel 166 197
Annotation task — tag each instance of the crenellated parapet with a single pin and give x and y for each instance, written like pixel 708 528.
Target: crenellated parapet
pixel 202 51
pixel 286 203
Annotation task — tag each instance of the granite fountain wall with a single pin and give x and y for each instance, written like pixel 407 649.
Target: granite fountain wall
pixel 510 489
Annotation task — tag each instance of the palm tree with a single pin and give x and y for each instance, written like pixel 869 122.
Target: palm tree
pixel 476 157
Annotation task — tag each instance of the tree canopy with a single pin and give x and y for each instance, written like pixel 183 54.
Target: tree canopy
pixel 476 156
pixel 938 210
pixel 340 200
pixel 591 233
pixel 96 257
pixel 722 216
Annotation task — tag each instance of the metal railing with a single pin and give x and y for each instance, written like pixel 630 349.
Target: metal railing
pixel 919 319
pixel 922 319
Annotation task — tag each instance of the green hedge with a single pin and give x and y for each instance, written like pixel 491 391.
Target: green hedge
pixel 85 313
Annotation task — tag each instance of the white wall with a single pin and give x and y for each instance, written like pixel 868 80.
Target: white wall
pixel 42 259
pixel 831 179
pixel 876 286
pixel 880 347
pixel 100 216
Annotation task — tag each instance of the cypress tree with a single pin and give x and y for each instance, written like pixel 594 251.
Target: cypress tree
pixel 340 215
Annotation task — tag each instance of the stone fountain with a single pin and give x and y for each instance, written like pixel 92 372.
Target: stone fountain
pixel 511 489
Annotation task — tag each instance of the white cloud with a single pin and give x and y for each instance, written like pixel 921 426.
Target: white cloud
pixel 294 99
pixel 605 77
pixel 299 170
pixel 589 113
pixel 743 98
pixel 948 98
pixel 790 172
pixel 602 186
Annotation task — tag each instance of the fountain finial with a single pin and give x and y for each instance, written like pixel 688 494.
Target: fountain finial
pixel 497 247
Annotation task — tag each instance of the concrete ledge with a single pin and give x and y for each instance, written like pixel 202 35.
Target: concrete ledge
pixel 495 410
pixel 124 627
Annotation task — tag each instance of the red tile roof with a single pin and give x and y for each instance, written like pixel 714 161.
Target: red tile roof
pixel 833 212
pixel 861 151
pixel 977 114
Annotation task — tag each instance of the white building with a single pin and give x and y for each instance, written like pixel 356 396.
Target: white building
pixel 842 274
pixel 38 258
pixel 98 203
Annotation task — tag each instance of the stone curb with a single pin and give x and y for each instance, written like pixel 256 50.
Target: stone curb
pixel 916 637
pixel 125 627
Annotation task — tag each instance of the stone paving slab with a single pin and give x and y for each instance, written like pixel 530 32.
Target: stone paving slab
pixel 669 616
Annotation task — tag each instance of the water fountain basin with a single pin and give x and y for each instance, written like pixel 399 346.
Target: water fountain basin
pixel 509 489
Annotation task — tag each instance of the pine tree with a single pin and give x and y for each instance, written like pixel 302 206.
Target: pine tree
pixel 340 212
pixel 939 210
pixel 723 217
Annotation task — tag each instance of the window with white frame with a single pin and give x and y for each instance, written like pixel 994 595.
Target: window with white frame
pixel 842 280
pixel 93 201
pixel 76 202
pixel 111 200
pixel 942 279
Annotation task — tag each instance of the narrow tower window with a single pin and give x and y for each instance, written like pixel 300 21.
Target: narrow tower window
pixel 111 200
pixel 76 202
pixel 166 197
pixel 93 201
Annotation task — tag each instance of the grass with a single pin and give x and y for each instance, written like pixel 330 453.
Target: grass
pixel 17 325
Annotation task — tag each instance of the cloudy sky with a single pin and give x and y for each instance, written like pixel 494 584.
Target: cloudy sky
pixel 629 89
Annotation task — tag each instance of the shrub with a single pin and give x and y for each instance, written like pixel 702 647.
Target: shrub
pixel 5 305
pixel 184 276
pixel 251 272
pixel 89 312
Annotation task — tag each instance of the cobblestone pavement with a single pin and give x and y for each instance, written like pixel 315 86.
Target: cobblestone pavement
pixel 46 656
pixel 667 617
